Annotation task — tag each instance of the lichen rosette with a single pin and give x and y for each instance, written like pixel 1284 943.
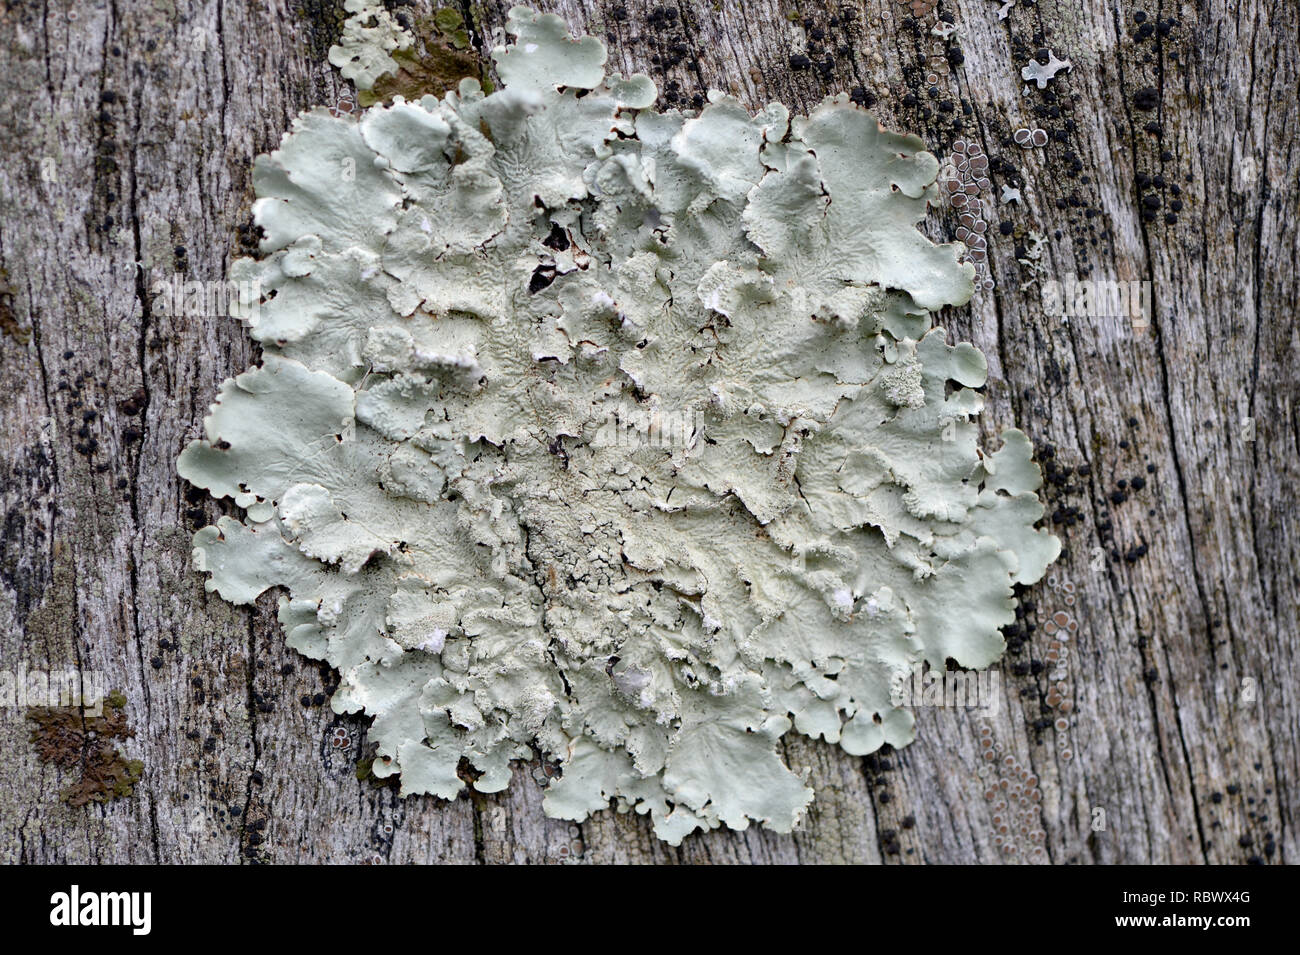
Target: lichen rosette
pixel 477 313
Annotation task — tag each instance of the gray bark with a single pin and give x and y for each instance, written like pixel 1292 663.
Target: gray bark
pixel 127 132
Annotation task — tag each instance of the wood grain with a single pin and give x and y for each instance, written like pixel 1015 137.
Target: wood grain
pixel 127 132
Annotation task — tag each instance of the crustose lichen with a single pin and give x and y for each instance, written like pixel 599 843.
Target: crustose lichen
pixel 617 435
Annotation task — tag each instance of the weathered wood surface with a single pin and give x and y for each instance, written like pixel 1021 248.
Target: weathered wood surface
pixel 126 135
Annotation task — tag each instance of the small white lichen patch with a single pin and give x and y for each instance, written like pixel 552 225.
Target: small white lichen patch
pixel 617 436
pixel 1040 73
pixel 1004 8
pixel 370 34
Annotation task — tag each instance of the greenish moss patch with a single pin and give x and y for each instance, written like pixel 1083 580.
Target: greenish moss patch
pixel 87 745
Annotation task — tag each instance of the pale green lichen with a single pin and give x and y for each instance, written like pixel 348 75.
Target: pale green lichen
pixel 370 36
pixel 467 299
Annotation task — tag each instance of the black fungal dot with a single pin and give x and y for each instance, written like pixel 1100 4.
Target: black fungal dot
pixel 1147 98
pixel 863 97
pixel 1136 553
